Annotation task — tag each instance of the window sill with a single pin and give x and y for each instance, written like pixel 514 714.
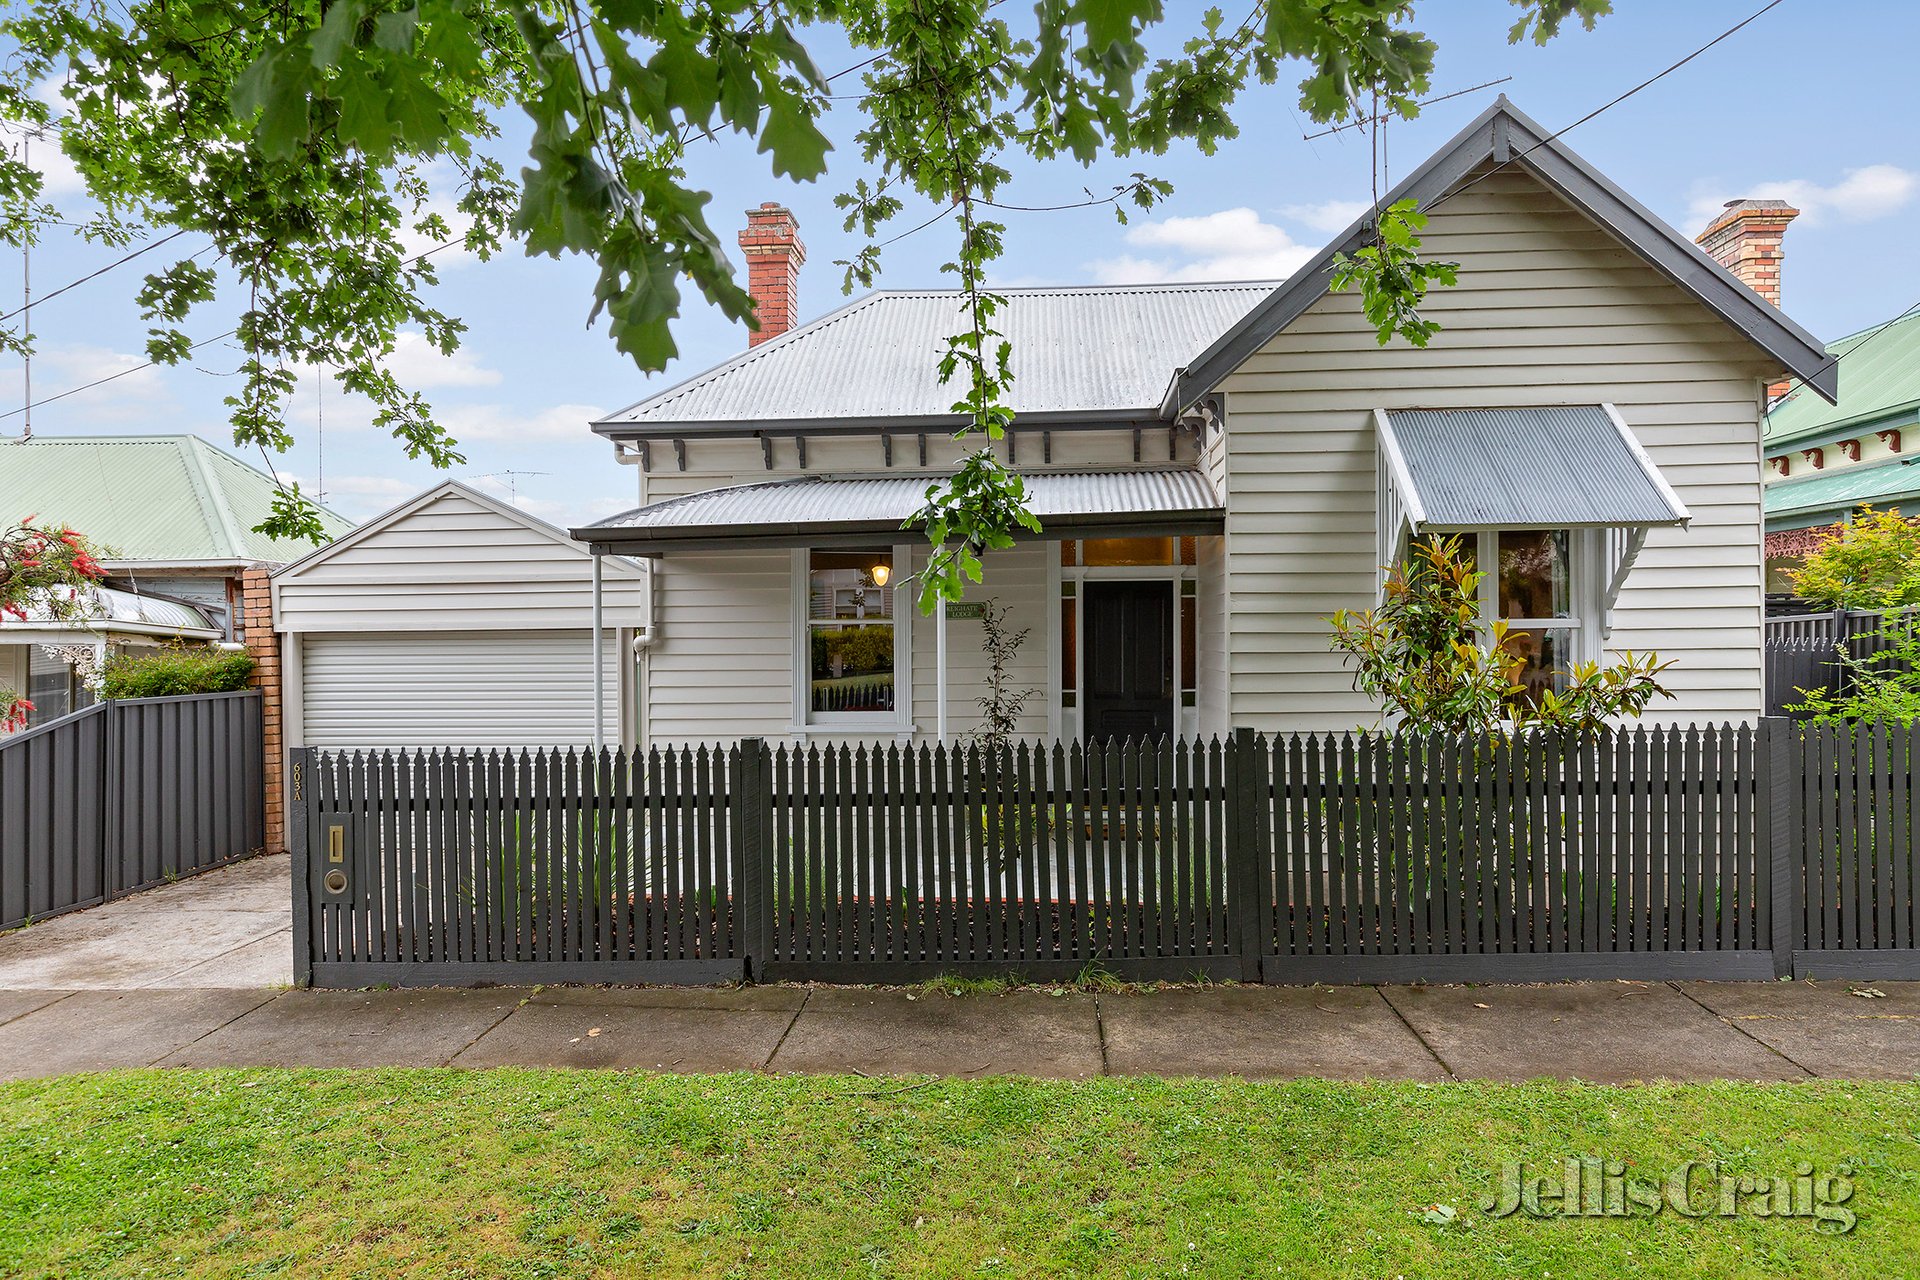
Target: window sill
pixel 890 729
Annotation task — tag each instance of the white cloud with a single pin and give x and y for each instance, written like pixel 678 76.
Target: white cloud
pixel 1233 244
pixel 560 422
pixel 137 388
pixel 58 177
pixel 1329 215
pixel 1861 195
pixel 419 364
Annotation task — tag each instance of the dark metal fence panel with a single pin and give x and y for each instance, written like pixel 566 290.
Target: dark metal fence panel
pixel 469 866
pixel 890 863
pixel 1530 858
pixel 124 795
pixel 1802 650
pixel 1861 887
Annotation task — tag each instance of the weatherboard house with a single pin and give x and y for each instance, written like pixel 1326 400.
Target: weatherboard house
pixel 1218 468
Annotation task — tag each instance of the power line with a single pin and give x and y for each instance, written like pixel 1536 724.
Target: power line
pixel 1835 362
pixel 1424 102
pixel 148 364
pixel 1606 106
pixel 74 284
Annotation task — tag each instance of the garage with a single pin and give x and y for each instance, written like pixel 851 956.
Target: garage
pixel 455 620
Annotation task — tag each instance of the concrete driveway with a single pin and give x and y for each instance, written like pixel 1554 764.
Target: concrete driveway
pixel 229 928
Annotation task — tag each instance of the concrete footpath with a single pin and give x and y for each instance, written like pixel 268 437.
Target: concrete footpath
pixel 195 974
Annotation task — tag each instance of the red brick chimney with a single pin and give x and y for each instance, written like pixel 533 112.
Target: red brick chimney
pixel 1745 239
pixel 774 254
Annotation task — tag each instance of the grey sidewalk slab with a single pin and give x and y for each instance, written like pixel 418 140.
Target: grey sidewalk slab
pixel 892 1032
pixel 17 1004
pixel 1337 1033
pixel 1604 1032
pixel 648 1028
pixel 413 1028
pixel 1823 1026
pixel 101 1030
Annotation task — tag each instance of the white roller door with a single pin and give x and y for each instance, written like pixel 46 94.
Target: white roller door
pixel 454 689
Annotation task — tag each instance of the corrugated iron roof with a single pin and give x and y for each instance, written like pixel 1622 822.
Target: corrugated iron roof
pixel 1075 350
pixel 1543 467
pixel 1829 495
pixel 161 498
pixel 1882 381
pixel 814 504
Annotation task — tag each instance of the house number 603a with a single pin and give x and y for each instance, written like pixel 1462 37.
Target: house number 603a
pixel 296 782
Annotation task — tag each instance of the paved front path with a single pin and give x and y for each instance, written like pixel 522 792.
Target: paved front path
pixel 1606 1032
pixel 195 974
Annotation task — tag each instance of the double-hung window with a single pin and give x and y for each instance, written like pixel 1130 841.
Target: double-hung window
pixel 852 659
pixel 1534 583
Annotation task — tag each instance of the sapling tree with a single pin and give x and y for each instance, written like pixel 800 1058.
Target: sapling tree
pixel 1433 665
pixel 45 568
pixel 1001 705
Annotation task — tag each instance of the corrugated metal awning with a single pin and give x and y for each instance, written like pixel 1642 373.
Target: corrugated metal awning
pixel 111 610
pixel 823 510
pixel 1551 467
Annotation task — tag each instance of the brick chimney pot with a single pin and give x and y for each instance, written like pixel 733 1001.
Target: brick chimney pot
pixel 771 242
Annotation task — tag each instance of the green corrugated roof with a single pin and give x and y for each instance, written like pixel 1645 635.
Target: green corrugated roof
pixel 1821 498
pixel 148 497
pixel 1881 380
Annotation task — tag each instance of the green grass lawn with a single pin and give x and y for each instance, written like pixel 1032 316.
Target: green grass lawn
pixel 523 1173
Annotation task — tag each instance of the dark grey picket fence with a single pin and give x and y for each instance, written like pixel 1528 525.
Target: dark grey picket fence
pixel 1728 851
pixel 124 795
pixel 1802 650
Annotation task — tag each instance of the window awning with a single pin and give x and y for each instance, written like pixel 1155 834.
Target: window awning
pixel 111 611
pixel 821 511
pixel 1552 467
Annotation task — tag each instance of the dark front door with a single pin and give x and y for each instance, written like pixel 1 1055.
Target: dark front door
pixel 1128 660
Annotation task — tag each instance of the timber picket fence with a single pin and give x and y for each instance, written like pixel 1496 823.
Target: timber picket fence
pixel 124 795
pixel 1716 852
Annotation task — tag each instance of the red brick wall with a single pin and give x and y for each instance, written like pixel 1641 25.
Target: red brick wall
pixel 774 254
pixel 256 620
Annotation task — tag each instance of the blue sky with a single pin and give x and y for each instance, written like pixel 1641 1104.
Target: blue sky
pixel 1798 104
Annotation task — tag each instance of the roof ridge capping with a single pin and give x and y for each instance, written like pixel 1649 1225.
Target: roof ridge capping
pixel 1506 135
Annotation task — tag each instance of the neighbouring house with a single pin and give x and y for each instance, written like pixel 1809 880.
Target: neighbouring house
pixel 172 518
pixel 455 620
pixel 1825 460
pixel 1218 468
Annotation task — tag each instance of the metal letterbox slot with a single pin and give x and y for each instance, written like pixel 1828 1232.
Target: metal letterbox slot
pixel 336 843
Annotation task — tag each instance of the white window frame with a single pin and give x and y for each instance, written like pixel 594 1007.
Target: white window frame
pixel 1585 590
pixel 805 719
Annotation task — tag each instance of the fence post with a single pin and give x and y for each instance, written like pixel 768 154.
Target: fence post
pixel 1783 849
pixel 298 806
pixel 1247 858
pixel 751 800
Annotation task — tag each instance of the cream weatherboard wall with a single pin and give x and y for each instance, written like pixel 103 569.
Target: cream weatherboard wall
pixel 722 664
pixel 454 620
pixel 1549 309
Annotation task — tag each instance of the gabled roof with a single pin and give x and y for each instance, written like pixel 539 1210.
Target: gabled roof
pixel 167 499
pixel 448 488
pixel 1883 386
pixel 1091 353
pixel 1503 135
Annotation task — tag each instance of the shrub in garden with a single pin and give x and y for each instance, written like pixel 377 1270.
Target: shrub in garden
pixel 175 670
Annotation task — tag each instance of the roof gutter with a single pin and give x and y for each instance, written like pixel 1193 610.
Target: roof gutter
pixel 660 540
